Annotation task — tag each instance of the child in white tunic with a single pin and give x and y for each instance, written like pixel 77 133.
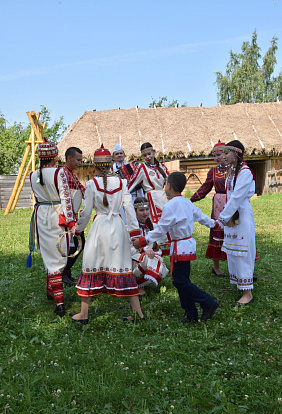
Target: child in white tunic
pixel 147 262
pixel 178 217
pixel 106 266
pixel 239 233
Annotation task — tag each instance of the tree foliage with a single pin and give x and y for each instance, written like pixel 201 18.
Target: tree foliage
pixel 12 139
pixel 248 78
pixel 163 102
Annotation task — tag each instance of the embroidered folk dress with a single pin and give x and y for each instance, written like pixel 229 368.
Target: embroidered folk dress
pixel 239 241
pixel 152 183
pixel 216 178
pixel 107 264
pixel 47 224
pixel 147 270
pixel 178 217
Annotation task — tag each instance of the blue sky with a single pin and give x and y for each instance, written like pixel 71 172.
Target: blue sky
pixel 77 55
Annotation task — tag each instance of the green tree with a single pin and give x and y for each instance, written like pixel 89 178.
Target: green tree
pixel 247 79
pixel 163 102
pixel 12 139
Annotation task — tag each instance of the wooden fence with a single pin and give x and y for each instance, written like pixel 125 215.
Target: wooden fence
pixel 6 187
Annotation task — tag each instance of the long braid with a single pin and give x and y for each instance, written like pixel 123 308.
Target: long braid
pixel 237 169
pixel 104 171
pixel 238 166
pixel 41 164
pixel 161 171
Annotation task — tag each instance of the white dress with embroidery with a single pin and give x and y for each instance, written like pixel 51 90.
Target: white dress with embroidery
pixel 47 219
pixel 239 241
pixel 107 265
pixel 152 182
pixel 147 270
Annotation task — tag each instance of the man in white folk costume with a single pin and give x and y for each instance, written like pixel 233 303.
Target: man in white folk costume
pixel 73 157
pixel 53 200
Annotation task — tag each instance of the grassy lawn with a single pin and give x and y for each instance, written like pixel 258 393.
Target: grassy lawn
pixel 231 364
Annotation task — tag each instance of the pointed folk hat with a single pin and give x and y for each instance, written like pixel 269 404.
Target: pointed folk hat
pixel 47 150
pixel 102 157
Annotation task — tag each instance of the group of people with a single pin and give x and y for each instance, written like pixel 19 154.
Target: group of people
pixel 141 216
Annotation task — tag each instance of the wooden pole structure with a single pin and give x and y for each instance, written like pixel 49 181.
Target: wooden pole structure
pixel 36 130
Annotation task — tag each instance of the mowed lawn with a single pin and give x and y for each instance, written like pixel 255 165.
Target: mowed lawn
pixel 231 364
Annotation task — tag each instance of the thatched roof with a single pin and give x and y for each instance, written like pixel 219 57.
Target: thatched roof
pixel 178 132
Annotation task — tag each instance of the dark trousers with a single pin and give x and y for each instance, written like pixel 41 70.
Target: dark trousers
pixel 187 291
pixel 72 260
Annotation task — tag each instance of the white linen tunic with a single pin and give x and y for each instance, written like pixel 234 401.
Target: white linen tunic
pixel 239 241
pixel 145 269
pixel 107 265
pixel 152 183
pixel 178 218
pixel 47 219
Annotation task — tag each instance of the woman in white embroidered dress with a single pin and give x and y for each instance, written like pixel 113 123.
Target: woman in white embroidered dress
pixel 107 265
pixel 151 174
pixel 238 220
pixel 147 262
pixel 52 194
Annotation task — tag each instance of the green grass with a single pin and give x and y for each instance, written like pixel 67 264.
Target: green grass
pixel 231 364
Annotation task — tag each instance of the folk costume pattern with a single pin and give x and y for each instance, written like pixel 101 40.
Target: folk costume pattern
pixel 147 270
pixel 152 182
pixel 239 241
pixel 216 178
pixel 107 265
pixel 73 180
pixel 51 202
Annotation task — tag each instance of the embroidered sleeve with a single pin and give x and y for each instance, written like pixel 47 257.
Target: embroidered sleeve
pixel 65 196
pixel 137 178
pixel 204 189
pixel 88 204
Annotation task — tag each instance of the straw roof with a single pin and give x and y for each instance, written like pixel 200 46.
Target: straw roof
pixel 178 132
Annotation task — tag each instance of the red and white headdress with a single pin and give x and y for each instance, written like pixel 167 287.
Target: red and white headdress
pixel 219 146
pixel 102 157
pixel 47 150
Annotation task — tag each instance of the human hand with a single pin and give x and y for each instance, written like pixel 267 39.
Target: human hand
pixel 150 253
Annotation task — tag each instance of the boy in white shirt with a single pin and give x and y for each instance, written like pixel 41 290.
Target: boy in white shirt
pixel 178 217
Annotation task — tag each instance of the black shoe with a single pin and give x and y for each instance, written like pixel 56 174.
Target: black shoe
pixel 49 297
pixel 242 304
pixel 67 279
pixel 188 318
pixel 221 274
pixel 82 321
pixel 209 312
pixel 60 310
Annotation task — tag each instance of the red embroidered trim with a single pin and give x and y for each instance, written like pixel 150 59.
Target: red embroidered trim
pixel 108 191
pixel 135 233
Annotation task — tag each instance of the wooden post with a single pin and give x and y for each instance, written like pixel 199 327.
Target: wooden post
pixel 36 130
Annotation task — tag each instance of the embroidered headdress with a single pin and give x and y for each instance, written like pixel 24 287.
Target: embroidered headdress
pixel 236 146
pixel 102 157
pixel 47 150
pixel 145 150
pixel 218 147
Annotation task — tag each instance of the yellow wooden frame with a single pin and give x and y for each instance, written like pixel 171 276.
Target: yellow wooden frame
pixel 36 131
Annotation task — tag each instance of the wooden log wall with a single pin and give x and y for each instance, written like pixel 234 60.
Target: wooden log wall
pixel 6 187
